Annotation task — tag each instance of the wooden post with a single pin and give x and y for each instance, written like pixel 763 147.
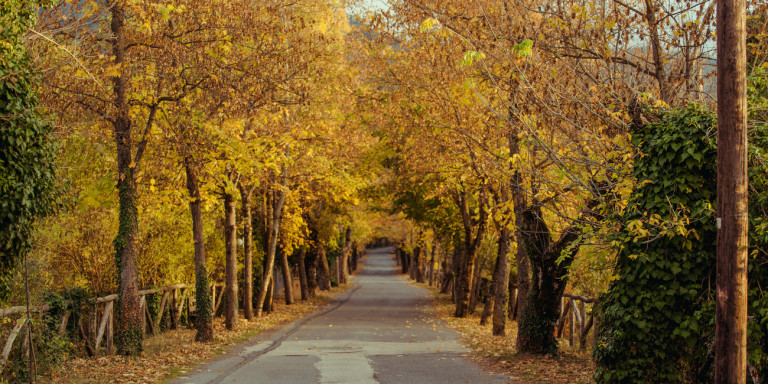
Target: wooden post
pixel 64 321
pixel 213 299
pixel 9 343
pixel 572 321
pixel 92 325
pixel 103 324
pixel 732 183
pixel 110 331
pixel 142 304
pixel 173 310
pixel 161 309
pixel 149 320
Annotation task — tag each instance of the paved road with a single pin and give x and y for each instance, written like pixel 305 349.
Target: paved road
pixel 379 332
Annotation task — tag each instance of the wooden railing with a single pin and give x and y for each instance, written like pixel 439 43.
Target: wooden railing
pixel 175 297
pixel 573 311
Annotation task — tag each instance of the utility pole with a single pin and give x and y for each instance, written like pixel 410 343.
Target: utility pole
pixel 731 312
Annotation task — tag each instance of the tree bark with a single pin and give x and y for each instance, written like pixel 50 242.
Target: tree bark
pixel 403 260
pixel 732 184
pixel 231 312
pixel 267 306
pixel 474 293
pixel 355 257
pixel 500 284
pixel 269 264
pixel 303 275
pixel 344 262
pixel 523 277
pixel 324 277
pixel 204 306
pixel 488 300
pixel 471 247
pixel 128 336
pixel 419 259
pixel 536 327
pixel 412 265
pixel 287 281
pixel 245 195
pixel 311 266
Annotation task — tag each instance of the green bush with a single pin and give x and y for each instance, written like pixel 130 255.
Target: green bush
pixel 658 316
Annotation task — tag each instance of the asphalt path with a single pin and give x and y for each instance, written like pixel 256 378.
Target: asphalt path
pixel 381 331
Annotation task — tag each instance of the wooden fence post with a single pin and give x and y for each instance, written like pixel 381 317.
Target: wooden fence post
pixel 572 320
pixel 9 343
pixel 103 324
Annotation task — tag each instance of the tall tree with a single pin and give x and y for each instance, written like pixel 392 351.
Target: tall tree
pixel 231 309
pixel 245 197
pixel 128 330
pixel 203 304
pixel 269 261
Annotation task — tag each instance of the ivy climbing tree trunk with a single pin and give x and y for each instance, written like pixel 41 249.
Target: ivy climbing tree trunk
pixel 204 307
pixel 245 196
pixel 732 192
pixel 231 311
pixel 536 326
pixel 128 335
pixel 269 262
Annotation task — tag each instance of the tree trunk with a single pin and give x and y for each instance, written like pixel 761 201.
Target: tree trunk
pixel 732 192
pixel 488 302
pixel 474 293
pixel 412 265
pixel 346 250
pixel 432 269
pixel 523 277
pixel 231 311
pixel 355 257
pixel 311 266
pixel 457 261
pixel 303 275
pixel 128 336
pixel 464 286
pixel 419 259
pixel 324 276
pixel 500 284
pixel 268 306
pixel 204 306
pixel 269 264
pixel 471 247
pixel 403 260
pixel 245 194
pixel 536 327
pixel 287 281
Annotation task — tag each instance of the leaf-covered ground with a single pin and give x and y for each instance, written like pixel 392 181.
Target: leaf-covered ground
pixel 498 353
pixel 175 352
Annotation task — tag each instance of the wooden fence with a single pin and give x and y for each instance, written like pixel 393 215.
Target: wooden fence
pixel 573 311
pixel 176 298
